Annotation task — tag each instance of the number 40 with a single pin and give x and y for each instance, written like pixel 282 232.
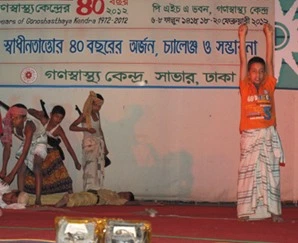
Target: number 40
pixel 86 7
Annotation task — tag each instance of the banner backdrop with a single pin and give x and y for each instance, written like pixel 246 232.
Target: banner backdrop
pixel 127 43
pixel 168 71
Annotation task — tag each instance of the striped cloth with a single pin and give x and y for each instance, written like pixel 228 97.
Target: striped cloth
pixel 259 174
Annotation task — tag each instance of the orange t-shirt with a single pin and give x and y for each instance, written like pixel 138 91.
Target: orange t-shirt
pixel 257 105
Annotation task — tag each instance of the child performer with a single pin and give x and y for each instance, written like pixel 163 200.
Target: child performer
pixel 261 151
pixel 55 176
pixel 94 146
pixel 32 151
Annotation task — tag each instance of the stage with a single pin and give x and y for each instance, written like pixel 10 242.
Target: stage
pixel 171 223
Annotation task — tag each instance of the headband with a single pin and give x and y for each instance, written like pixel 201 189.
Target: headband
pixel 7 124
pixel 15 111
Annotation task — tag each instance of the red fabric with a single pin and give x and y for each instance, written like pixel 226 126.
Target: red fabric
pixel 172 224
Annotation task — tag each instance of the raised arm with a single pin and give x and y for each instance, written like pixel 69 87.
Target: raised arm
pixel 38 115
pixel 76 128
pixel 242 32
pixel 75 125
pixel 268 31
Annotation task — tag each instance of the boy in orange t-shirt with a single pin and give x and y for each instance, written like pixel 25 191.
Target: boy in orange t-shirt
pixel 261 150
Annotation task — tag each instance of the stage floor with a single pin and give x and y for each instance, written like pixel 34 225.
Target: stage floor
pixel 172 223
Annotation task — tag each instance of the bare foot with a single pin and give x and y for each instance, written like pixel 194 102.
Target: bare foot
pixel 277 218
pixel 63 202
pixel 37 203
pixel 244 219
